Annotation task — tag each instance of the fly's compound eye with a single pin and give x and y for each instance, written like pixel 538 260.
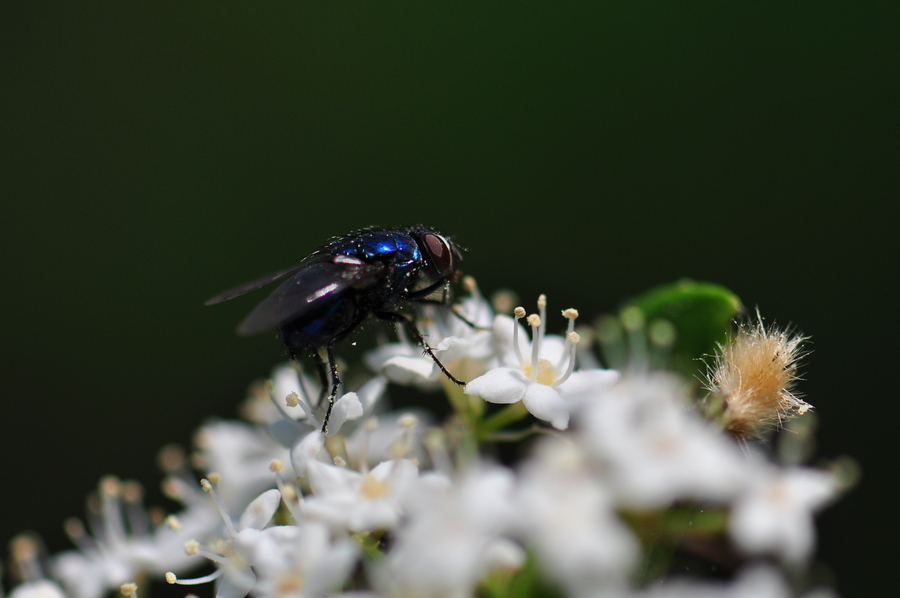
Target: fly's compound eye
pixel 440 253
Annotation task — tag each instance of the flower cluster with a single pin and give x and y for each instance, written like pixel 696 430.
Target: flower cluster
pixel 629 472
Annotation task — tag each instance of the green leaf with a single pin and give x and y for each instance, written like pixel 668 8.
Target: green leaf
pixel 701 313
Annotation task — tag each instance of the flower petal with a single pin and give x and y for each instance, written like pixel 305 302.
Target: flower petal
pixel 307 450
pixel 330 479
pixel 259 513
pixel 237 583
pixel 406 370
pixel 588 382
pixel 39 588
pixel 371 392
pixel 500 385
pixel 545 403
pixel 346 407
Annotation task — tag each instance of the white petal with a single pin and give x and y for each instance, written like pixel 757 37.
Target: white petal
pixel 398 470
pixel 40 588
pixel 377 357
pixel 259 513
pixel 237 583
pixel 406 370
pixel 346 407
pixel 500 385
pixel 329 479
pixel 545 403
pixel 332 569
pixel 503 335
pixel 371 392
pixel 83 577
pixel 449 342
pixel 502 553
pixel 306 450
pixel 377 514
pixel 553 348
pixel 588 381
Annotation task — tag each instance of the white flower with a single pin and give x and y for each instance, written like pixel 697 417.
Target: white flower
pixel 754 582
pixel 359 501
pixel 234 556
pixel 296 561
pixel 26 565
pixel 568 515
pixel 458 344
pixel 776 515
pixel 654 450
pixel 292 397
pixel 454 533
pixel 287 379
pixel 42 588
pixel 240 454
pixel 394 435
pixel 403 363
pixel 309 449
pixel 545 382
pixel 123 544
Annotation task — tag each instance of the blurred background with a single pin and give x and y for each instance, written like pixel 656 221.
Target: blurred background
pixel 154 155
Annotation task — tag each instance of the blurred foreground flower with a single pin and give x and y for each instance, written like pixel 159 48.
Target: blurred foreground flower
pixel 640 469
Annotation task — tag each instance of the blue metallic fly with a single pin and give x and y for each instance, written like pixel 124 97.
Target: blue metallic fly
pixel 331 293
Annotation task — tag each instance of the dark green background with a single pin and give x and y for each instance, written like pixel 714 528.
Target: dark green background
pixel 152 156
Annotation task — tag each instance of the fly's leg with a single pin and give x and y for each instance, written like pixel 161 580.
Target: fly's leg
pixel 335 382
pixel 407 322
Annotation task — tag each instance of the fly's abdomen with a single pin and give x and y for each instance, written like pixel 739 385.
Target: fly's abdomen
pixel 320 326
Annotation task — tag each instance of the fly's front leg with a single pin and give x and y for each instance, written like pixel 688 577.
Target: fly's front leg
pixel 389 316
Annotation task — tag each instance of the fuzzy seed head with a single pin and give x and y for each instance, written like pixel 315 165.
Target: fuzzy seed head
pixel 754 376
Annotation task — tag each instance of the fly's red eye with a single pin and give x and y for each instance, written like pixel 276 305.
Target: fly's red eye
pixel 439 251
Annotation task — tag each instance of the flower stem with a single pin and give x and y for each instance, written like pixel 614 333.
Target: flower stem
pixel 507 415
pixel 468 408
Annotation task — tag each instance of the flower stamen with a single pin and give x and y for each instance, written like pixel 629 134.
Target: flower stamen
pixel 518 313
pixel 209 487
pixel 572 339
pixel 542 311
pixel 535 322
pixel 172 579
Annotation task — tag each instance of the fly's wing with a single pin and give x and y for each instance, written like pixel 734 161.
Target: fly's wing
pixel 315 282
pixel 255 285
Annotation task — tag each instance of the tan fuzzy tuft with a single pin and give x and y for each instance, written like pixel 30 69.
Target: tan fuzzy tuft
pixel 754 377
